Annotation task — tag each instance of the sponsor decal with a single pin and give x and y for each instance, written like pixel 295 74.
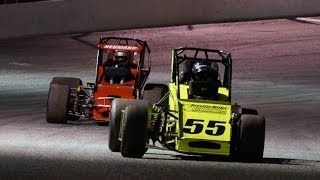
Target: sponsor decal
pixel 206 108
pixel 121 47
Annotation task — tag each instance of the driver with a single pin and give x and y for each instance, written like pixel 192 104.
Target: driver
pixel 119 70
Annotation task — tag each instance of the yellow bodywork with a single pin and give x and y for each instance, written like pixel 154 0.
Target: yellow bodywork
pixel 203 126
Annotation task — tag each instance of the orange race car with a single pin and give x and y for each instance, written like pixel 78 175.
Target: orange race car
pixel 121 72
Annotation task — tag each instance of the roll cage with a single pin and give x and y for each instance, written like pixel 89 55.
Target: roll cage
pixel 141 46
pixel 178 56
pixel 183 54
pixel 129 44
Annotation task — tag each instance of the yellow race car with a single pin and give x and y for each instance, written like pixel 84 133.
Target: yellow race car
pixel 193 114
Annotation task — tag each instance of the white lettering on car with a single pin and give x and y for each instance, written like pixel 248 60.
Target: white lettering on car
pixel 119 47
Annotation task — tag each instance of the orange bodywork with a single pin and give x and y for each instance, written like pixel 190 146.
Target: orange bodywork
pixel 105 91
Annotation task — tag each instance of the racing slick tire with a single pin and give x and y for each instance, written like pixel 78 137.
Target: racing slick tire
pixel 114 125
pixel 68 81
pixel 73 84
pixel 251 138
pixel 240 110
pixel 134 135
pixel 57 104
pixel 154 92
pixel 249 111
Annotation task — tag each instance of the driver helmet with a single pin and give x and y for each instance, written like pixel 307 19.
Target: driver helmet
pixel 202 71
pixel 121 56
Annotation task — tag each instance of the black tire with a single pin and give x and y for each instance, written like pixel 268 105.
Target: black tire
pixel 240 110
pixel 68 81
pixel 134 134
pixel 72 83
pixel 103 123
pixel 154 92
pixel 57 104
pixel 249 111
pixel 251 138
pixel 114 124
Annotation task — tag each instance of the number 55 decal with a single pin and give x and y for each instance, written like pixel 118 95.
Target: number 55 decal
pixel 195 126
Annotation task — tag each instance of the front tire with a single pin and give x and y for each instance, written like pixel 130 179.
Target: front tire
pixel 134 136
pixel 154 92
pixel 57 104
pixel 73 84
pixel 114 125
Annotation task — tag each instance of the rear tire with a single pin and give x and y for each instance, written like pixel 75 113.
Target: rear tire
pixel 154 92
pixel 68 81
pixel 73 84
pixel 114 125
pixel 57 104
pixel 251 138
pixel 240 110
pixel 249 111
pixel 134 136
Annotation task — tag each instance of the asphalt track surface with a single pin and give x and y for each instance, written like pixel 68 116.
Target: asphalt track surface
pixel 276 70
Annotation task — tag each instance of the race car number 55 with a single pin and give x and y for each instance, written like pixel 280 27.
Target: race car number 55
pixel 196 126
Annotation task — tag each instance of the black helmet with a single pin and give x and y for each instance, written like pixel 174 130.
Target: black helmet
pixel 204 72
pixel 121 56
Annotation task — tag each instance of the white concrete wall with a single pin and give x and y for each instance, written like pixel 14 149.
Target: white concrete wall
pixel 55 17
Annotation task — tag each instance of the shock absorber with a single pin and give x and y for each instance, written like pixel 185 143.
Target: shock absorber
pixel 137 94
